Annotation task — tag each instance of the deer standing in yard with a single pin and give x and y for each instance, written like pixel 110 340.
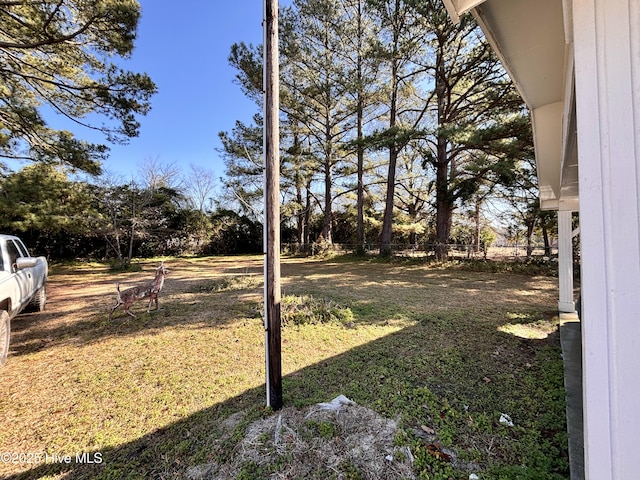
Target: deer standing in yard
pixel 151 290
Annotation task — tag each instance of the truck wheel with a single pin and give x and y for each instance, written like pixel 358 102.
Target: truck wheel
pixel 5 334
pixel 39 300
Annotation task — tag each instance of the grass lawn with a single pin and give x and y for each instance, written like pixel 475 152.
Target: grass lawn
pixel 441 351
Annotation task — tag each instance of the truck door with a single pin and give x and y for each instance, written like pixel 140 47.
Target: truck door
pixel 24 278
pixel 32 273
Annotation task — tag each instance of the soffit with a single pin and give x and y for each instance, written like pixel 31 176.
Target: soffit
pixel 529 38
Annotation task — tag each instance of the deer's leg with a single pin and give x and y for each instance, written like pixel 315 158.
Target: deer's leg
pixel 118 303
pixel 152 298
pixel 114 309
pixel 127 306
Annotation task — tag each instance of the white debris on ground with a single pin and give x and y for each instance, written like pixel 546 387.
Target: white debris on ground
pixel 506 420
pixel 327 440
pixel 335 404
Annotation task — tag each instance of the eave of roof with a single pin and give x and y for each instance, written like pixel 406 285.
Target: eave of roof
pixel 529 38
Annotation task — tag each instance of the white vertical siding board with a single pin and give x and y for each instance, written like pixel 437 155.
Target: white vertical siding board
pixel 594 334
pixel 565 263
pixel 634 28
pixel 607 99
pixel 626 316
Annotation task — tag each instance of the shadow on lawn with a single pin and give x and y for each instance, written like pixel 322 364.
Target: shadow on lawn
pixel 35 332
pixel 31 333
pixel 81 315
pixel 95 297
pixel 426 374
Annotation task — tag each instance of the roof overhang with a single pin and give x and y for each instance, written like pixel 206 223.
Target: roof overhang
pixel 533 40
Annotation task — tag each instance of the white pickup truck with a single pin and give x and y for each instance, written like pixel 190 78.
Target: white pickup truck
pixel 22 284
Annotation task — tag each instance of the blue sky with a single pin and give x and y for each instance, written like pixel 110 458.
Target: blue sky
pixel 184 47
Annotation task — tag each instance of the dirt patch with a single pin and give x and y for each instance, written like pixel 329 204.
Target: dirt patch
pixel 336 440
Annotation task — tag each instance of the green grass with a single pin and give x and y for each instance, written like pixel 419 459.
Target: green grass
pixel 450 349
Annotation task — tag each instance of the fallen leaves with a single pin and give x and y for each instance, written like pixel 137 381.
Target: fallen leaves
pixel 436 451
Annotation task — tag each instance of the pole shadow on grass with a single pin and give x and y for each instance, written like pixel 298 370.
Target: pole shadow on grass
pixel 432 373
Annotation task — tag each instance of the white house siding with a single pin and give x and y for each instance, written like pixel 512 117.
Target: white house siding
pixel 606 36
pixel 565 263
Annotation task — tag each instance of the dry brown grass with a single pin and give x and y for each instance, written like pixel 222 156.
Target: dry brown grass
pixel 149 394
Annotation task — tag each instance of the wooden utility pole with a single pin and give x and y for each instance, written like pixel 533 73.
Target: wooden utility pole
pixel 272 206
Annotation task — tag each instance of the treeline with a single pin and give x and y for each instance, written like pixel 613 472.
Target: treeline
pixel 397 126
pixel 390 114
pixel 166 213
pixel 70 219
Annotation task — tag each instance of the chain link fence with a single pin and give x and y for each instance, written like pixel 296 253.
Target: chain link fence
pixel 426 250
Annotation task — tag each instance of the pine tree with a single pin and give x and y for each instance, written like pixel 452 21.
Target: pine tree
pixel 480 124
pixel 57 56
pixel 401 49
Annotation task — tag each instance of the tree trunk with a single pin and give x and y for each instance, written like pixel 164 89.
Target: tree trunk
pixel 530 226
pixel 360 249
pixel 328 180
pixel 300 213
pixel 444 206
pixel 328 213
pixel 387 221
pixel 133 234
pixel 443 229
pixel 360 222
pixel 547 243
pixel 476 245
pixel 307 215
pixel 412 211
pixel 299 186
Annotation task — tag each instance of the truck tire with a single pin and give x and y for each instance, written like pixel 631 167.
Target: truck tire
pixel 39 300
pixel 5 335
